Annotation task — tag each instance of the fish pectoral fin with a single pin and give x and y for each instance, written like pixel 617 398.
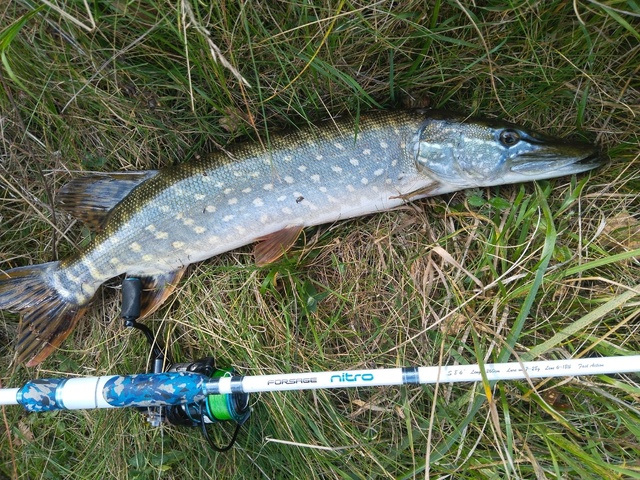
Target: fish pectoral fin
pixel 271 247
pixel 421 192
pixel 91 198
pixel 156 289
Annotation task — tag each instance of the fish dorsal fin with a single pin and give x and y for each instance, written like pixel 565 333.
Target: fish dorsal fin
pixel 90 198
pixel 271 247
pixel 156 289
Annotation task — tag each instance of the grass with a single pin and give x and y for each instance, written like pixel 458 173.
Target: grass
pixel 556 263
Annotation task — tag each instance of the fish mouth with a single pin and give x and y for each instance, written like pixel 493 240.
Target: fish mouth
pixel 556 163
pixel 591 161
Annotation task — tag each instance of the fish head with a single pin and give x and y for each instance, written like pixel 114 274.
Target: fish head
pixel 473 153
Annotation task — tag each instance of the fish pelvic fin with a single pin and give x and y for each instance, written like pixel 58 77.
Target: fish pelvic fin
pixel 156 289
pixel 47 317
pixel 273 246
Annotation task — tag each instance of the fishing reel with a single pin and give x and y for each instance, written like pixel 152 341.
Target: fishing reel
pixel 209 410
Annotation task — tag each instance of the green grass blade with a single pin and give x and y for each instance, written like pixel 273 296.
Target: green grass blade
pixel 581 324
pixel 541 268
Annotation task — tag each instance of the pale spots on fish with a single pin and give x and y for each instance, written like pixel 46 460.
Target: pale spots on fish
pixel 80 298
pixel 384 145
pixel 61 285
pixel 94 272
pixel 354 161
pixel 302 168
pixel 258 202
pixel 210 208
pixel 148 257
pixel 164 208
pixel 115 261
pixel 227 191
pixel 435 146
pixel 162 235
pixel 72 277
pixel 289 179
pixel 228 218
pixel 478 141
pixel 336 169
pixel 268 187
pixel 199 230
pixel 282 198
pixel 135 247
pixel 378 172
pixel 315 178
pixel 232 201
pixel 264 219
pixel 339 146
pixel 246 190
pixel 199 196
pixel 287 211
pixel 241 230
pixel 150 228
pixel 366 151
pixel 177 245
pixel 364 181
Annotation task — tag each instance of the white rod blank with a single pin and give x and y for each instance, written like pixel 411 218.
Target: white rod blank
pixel 425 375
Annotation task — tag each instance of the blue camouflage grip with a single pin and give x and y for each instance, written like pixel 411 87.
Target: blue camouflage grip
pixel 154 389
pixel 41 395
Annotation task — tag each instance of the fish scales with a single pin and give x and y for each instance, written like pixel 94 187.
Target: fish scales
pixel 205 207
pixel 202 208
pixel 320 174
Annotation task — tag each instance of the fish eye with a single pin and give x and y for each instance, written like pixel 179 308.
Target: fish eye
pixel 509 137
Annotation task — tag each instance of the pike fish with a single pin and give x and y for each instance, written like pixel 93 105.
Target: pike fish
pixel 153 224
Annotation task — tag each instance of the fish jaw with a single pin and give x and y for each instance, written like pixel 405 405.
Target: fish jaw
pixel 471 153
pixel 555 160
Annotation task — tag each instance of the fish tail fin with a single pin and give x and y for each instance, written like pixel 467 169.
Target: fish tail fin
pixel 47 317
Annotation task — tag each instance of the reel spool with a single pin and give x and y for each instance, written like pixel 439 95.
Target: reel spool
pixel 230 407
pixel 233 407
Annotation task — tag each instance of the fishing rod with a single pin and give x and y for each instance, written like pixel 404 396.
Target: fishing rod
pixel 199 394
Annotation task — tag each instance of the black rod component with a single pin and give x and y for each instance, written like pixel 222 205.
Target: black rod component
pixel 131 300
pixel 131 293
